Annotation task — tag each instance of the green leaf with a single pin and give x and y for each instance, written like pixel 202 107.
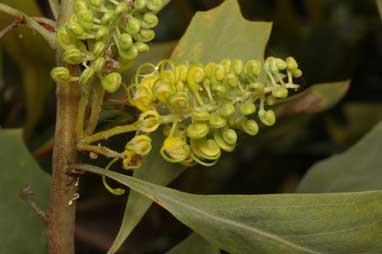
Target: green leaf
pixel 223 33
pixel 34 58
pixel 357 169
pixel 22 231
pixel 287 223
pixel 379 6
pixel 155 170
pixel 317 98
pixel 194 244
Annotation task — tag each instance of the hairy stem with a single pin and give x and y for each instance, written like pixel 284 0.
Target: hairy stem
pixel 29 21
pixel 61 212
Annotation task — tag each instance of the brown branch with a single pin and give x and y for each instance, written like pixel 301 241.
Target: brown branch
pixel 26 195
pixel 62 209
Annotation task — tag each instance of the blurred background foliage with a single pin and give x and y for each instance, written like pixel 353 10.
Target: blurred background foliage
pixel 333 40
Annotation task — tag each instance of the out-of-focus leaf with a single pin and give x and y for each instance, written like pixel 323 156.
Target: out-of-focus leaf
pixel 360 118
pixel 316 98
pixel 34 59
pixel 357 169
pixel 379 6
pixel 155 170
pixel 22 231
pixel 194 244
pixel 286 223
pixel 223 33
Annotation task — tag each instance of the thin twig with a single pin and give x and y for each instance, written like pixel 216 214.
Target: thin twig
pixel 100 150
pixel 26 195
pixel 29 21
pixel 43 151
pixel 9 28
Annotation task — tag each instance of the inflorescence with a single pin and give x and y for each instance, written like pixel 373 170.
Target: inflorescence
pixel 106 36
pixel 204 106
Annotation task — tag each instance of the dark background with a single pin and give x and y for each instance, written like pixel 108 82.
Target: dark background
pixel 332 39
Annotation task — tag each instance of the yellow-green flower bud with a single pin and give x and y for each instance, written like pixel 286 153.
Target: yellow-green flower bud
pixel 140 144
pixel 162 90
pixel 102 32
pixel 133 25
pixel 96 3
pixel 247 108
pixel 237 66
pixel 98 64
pixel 181 72
pixel 216 121
pixel 280 92
pixel 154 5
pixel 226 64
pixel 108 18
pixel 121 8
pixel 291 64
pixel 125 41
pixel 179 101
pixel 253 68
pixel 195 76
pixel 80 5
pixel 257 87
pixel 142 47
pixel 142 98
pixel 150 121
pixel 198 115
pixel 140 5
pixel 205 152
pixel 145 35
pixel 99 48
pixel 111 82
pixel 86 76
pixel 297 73
pixel 61 75
pixel 129 54
pixel 150 20
pixel 232 80
pixel 74 27
pixel 249 126
pixel 175 149
pixel 267 117
pixel 227 109
pixel 197 130
pixel 226 139
pixel 73 56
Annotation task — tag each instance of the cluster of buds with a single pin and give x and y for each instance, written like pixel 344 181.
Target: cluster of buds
pixel 106 36
pixel 203 107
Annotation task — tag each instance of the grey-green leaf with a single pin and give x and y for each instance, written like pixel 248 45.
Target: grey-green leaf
pixel 287 223
pixel 194 244
pixel 21 230
pixel 357 169
pixel 223 33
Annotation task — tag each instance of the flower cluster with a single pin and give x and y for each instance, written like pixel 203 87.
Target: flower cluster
pixel 204 106
pixel 106 36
